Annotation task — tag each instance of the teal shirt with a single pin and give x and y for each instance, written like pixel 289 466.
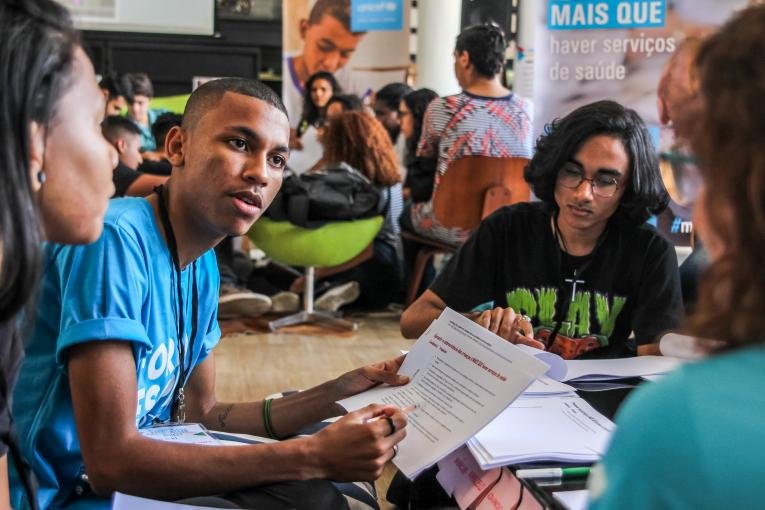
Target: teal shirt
pixel 147 138
pixel 694 440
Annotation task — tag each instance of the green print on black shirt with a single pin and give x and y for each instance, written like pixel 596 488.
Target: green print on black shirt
pixel 540 303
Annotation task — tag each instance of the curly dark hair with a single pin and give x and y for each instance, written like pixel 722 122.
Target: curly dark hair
pixel 417 102
pixel 645 193
pixel 312 115
pixel 729 142
pixel 486 45
pixel 361 141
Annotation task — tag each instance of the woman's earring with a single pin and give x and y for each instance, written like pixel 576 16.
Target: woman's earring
pixel 41 177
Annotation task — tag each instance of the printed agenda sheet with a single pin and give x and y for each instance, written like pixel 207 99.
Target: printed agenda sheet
pixel 462 376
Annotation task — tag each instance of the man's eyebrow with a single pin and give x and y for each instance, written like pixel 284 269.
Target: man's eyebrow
pixel 607 171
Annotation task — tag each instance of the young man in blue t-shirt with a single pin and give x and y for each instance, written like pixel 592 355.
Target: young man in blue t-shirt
pixel 125 332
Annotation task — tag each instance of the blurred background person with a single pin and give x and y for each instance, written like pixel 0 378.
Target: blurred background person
pixel 372 279
pixel 139 93
pixel 338 104
pixel 385 106
pixel 319 89
pixel 160 129
pixel 125 136
pixel 114 91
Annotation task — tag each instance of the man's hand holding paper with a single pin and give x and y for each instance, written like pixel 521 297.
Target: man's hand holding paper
pixel 462 376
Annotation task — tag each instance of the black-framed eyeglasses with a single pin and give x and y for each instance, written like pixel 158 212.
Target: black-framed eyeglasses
pixel 571 176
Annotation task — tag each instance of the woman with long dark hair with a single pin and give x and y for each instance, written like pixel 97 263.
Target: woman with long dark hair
pixel 419 174
pixel 56 169
pixel 695 438
pixel 319 89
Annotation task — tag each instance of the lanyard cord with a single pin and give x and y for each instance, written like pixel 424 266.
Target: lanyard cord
pixel 179 410
pixel 560 243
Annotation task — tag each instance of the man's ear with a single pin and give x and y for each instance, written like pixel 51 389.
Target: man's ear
pixel 121 145
pixel 36 153
pixel 464 59
pixel 303 27
pixel 174 146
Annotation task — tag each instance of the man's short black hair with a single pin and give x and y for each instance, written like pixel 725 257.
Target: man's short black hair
pixel 114 84
pixel 392 94
pixel 338 9
pixel 645 193
pixel 208 95
pixel 137 84
pixel 486 45
pixel 114 127
pixel 162 126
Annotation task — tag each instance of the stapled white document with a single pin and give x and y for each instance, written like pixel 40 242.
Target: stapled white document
pixel 462 377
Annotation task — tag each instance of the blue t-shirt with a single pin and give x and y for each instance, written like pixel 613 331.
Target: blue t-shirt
pixel 691 441
pixel 122 287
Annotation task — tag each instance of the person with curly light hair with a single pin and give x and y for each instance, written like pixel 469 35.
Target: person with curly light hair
pixel 695 438
pixel 372 279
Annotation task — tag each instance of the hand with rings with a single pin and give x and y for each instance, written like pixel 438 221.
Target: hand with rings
pixel 506 323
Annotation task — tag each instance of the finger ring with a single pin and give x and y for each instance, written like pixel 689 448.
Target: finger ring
pixel 526 318
pixel 395 451
pixel 392 426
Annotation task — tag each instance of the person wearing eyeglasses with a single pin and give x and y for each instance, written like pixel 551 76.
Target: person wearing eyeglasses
pixel 582 265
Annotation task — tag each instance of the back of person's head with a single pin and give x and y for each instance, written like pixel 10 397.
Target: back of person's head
pixel 729 142
pixel 115 127
pixel 645 193
pixel 207 97
pixel 37 52
pixel 417 102
pixel 362 142
pixel 486 45
pixel 348 102
pixel 138 84
pixel 392 94
pixel 678 81
pixel 162 126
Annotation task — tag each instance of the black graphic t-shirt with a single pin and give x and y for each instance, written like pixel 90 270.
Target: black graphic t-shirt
pixel 629 283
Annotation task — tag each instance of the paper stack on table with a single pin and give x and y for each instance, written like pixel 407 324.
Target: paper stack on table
pixel 544 429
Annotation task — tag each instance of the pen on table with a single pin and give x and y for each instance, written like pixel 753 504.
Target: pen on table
pixel 560 473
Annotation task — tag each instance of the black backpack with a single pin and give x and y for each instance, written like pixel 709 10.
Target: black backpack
pixel 339 193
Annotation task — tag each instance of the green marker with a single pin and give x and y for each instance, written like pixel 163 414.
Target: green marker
pixel 558 473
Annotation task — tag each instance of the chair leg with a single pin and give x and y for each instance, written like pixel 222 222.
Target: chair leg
pixel 423 256
pixel 309 315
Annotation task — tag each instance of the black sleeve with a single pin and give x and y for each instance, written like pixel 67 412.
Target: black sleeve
pixel 123 177
pixel 469 278
pixel 659 306
pixel 162 167
pixel 420 175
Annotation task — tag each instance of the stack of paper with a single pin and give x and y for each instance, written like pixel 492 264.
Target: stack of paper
pixel 544 429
